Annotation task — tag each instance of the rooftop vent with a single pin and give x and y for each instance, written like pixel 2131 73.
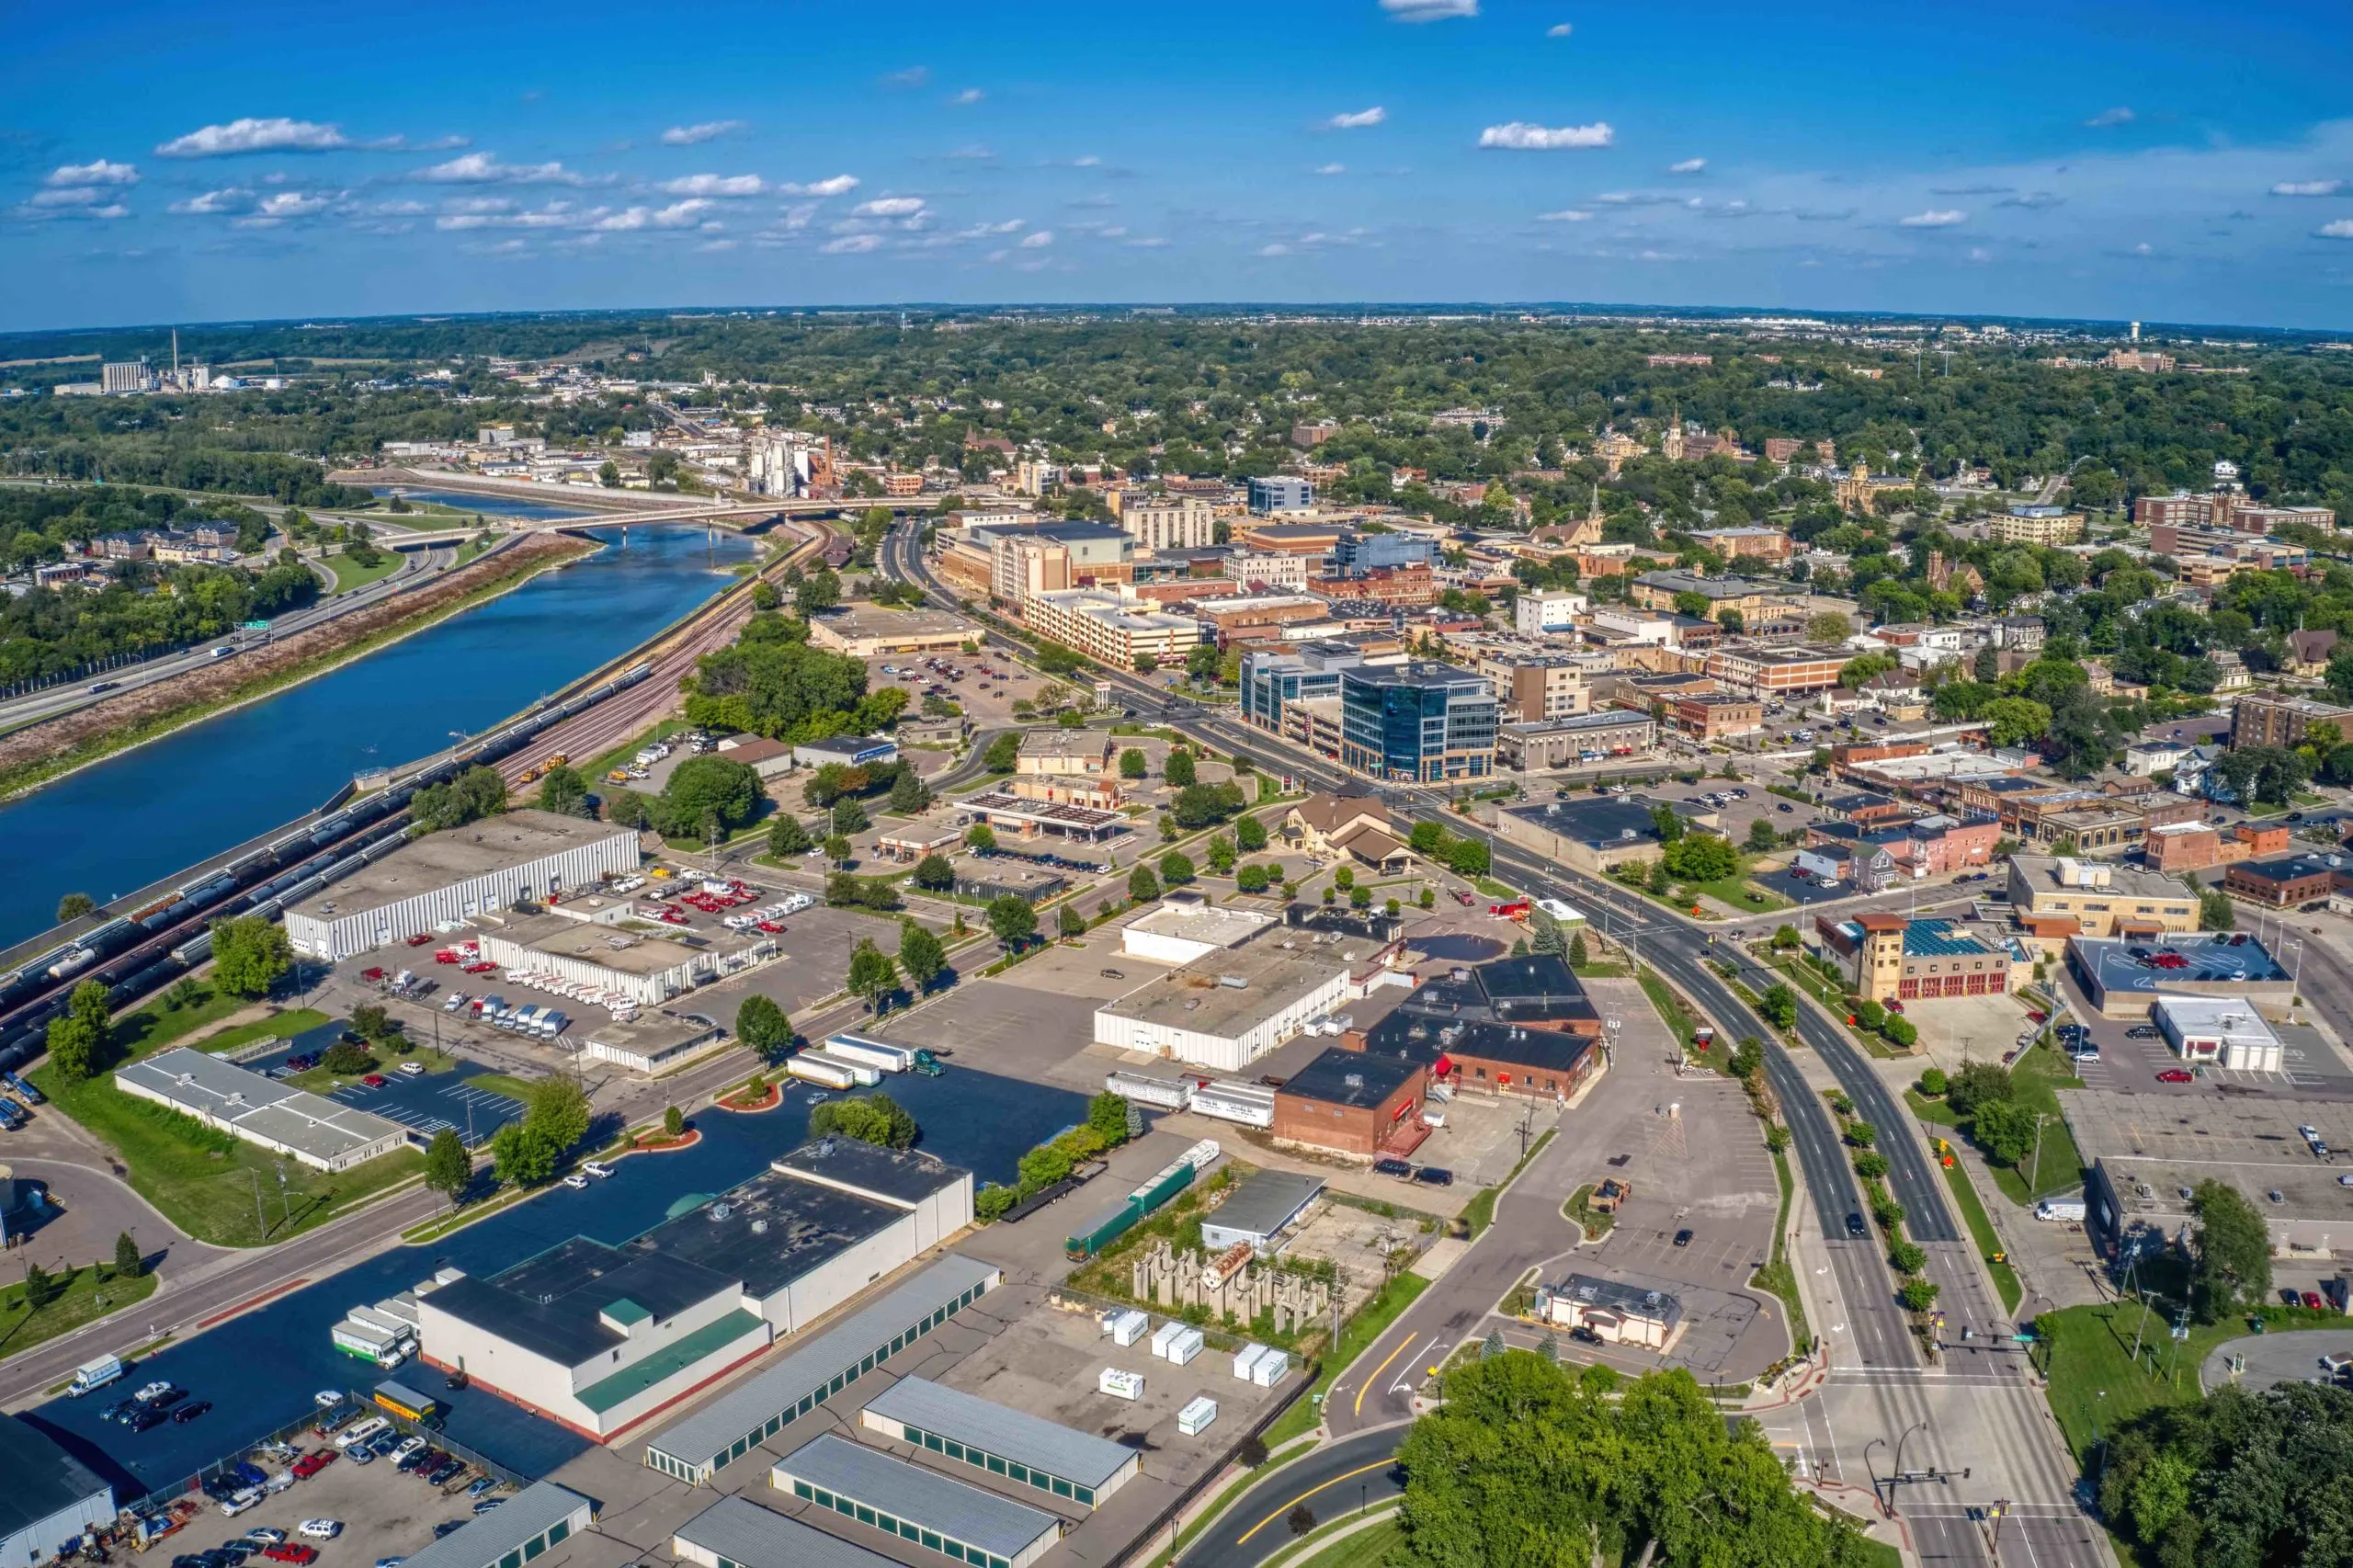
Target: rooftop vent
pixel 721 1210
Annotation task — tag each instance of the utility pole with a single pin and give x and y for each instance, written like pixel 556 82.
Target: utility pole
pixel 2034 1182
pixel 261 1225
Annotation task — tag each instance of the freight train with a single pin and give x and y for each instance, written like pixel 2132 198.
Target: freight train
pixel 133 953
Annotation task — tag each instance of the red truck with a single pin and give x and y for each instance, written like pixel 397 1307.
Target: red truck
pixel 1516 910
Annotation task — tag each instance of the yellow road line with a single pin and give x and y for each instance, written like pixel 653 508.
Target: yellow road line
pixel 1287 1508
pixel 1359 1408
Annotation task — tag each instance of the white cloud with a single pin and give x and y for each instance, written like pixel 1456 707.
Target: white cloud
pixel 1688 166
pixel 1935 218
pixel 1277 249
pixel 677 215
pixel 274 135
pixel 1430 10
pixel 972 152
pixel 969 96
pixel 485 168
pixel 1357 120
pixel 2285 188
pixel 839 184
pixel 1521 137
pixel 716 245
pixel 2342 229
pixel 277 207
pixel 67 196
pixel 709 131
pixel 851 244
pixel 714 185
pixel 1037 241
pixel 890 206
pixel 98 173
pixel 233 198
pixel 913 76
pixel 1332 169
pixel 1559 30
pixel 1565 215
pixel 2119 114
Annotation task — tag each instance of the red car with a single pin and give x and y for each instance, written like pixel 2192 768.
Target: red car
pixel 420 939
pixel 2311 1299
pixel 1893 1005
pixel 293 1551
pixel 771 927
pixel 374 1080
pixel 479 967
pixel 445 956
pixel 310 1465
pixel 2176 1075
pixel 372 975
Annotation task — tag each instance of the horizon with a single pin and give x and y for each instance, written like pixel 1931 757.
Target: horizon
pixel 2193 163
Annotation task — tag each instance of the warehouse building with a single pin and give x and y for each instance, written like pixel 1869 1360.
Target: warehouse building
pixel 1586 835
pixel 321 1132
pixel 648 967
pixel 959 1521
pixel 519 1530
pixel 1185 928
pixel 50 1498
pixel 1351 1102
pixel 740 1420
pixel 864 631
pixel 2145 1168
pixel 1224 1011
pixel 444 878
pixel 1027 1449
pixel 2122 979
pixel 598 1337
pixel 737 1533
pixel 1258 1211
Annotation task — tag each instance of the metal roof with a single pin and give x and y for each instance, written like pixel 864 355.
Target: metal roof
pixel 812 1364
pixel 1011 1434
pixel 43 1479
pixel 1265 1203
pixel 205 1086
pixel 930 1500
pixel 525 1517
pixel 744 1532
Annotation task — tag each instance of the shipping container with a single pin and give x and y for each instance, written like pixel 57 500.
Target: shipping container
pixel 1164 1334
pixel 1246 1358
pixel 1102 1230
pixel 1196 1417
pixel 860 1073
pixel 873 1052
pixel 1185 1347
pixel 1121 1384
pixel 1270 1369
pixel 817 1069
pixel 1126 1328
pixel 1168 1094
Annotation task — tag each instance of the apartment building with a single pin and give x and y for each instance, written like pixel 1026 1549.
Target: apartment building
pixel 1169 522
pixel 2049 526
pixel 2275 719
pixel 1280 493
pixel 1273 570
pixel 1111 630
pixel 1717 717
pixel 1547 609
pixel 1531 690
pixel 1745 667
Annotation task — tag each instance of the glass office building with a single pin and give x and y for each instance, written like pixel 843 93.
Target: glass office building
pixel 1423 723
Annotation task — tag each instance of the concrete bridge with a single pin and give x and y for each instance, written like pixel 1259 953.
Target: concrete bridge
pixel 602 508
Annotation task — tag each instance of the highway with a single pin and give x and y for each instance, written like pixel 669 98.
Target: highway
pixel 1875 1345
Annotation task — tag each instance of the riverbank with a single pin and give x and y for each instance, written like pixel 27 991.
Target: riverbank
pixel 45 753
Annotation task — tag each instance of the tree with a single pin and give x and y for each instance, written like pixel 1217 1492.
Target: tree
pixel 872 975
pixel 2231 1252
pixel 1933 1083
pixel 2215 911
pixel 1779 1006
pixel 1700 857
pixel 981 838
pixel 1579 955
pixel 79 1037
pixel 564 791
pixel 250 954
pixel 1428 838
pixel 1917 1295
pixel 1300 1519
pixel 609 475
pixel 763 1028
pixel 1861 1134
pixel 2005 1129
pixel 74 905
pixel 128 1263
pixel 1249 834
pixel 1221 854
pixel 1254 879
pixel 788 836
pixel 1132 764
pixel 908 793
pixel 934 873
pixel 703 790
pixel 1003 751
pixel 822 590
pixel 520 1158
pixel 921 955
pixel 1180 770
pixel 448 1169
pixel 1977 1084
pixel 765 595
pixel 673 1121
pixel 1669 826
pixel 1199 805
pixel 850 817
pixel 1142 886
pixel 40 1286
pixel 993 1201
pixel 869 1118
pixel 837 848
pixel 1909 1258
pixel 1072 924
pixel 1176 868
pixel 1012 921
pixel 1761 837
pixel 1544 932
pixel 1828 629
pixel 1870 1165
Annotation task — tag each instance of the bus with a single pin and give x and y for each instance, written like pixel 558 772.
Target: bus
pixel 398 1399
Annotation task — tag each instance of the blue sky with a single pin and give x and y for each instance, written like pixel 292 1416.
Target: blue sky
pixel 2181 160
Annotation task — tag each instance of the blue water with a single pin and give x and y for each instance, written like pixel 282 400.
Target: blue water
pixel 260 1370
pixel 493 505
pixel 116 827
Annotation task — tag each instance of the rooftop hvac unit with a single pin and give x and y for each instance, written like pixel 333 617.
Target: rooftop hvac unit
pixel 1234 981
pixel 1353 1080
pixel 721 1210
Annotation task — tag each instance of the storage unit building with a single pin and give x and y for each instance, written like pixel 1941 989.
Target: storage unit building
pixel 321 1132
pixel 919 1506
pixel 737 1533
pixel 1077 1466
pixel 518 1531
pixel 740 1420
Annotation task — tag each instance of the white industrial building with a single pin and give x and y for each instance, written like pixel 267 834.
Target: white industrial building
pixel 649 967
pixel 445 878
pixel 1183 929
pixel 1224 1011
pixel 318 1132
pixel 2224 1030
pixel 597 1337
pixel 48 1498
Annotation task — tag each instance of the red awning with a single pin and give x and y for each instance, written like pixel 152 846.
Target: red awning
pixel 1443 1066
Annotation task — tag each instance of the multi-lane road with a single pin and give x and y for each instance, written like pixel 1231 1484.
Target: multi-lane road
pixel 1976 1395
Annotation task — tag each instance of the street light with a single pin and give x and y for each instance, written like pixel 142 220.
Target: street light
pixel 1886 1511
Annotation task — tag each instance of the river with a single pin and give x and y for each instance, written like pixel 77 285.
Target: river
pixel 117 826
pixel 489 504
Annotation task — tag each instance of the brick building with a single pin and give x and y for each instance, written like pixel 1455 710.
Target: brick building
pixel 2286 881
pixel 1353 1102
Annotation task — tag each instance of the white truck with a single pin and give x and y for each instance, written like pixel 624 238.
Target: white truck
pixel 95 1374
pixel 2067 1209
pixel 873 1053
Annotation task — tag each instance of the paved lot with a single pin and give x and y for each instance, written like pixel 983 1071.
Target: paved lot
pixel 1022 1032
pixel 2271 1359
pixel 2311 1067
pixel 817 943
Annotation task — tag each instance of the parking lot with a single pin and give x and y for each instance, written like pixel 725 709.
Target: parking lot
pixel 2312 1068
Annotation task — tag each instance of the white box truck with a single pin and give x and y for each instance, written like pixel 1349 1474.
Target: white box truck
pixel 818 1068
pixel 96 1374
pixel 2067 1209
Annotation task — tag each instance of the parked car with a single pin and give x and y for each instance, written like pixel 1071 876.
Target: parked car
pixel 1434 1175
pixel 1585 1335
pixel 411 1069
pixel 597 1168
pixel 1683 1237
pixel 146 1416
pixel 1401 1169
pixel 2176 1075
pixel 321 1529
pixel 190 1412
pixel 294 1553
pixel 577 1182
pixel 263 1535
pixel 310 1465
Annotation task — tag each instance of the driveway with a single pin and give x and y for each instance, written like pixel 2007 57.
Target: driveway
pixel 2271 1359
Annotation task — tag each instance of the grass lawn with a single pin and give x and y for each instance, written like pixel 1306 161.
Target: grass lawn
pixel 350 574
pixel 1593 1221
pixel 1493 887
pixel 1368 1548
pixel 1680 1022
pixel 1600 970
pixel 1980 1231
pixel 503 1084
pixel 1777 1275
pixel 285 1026
pixel 2036 1078
pixel 90 1294
pixel 2087 1354
pixel 206 1182
pixel 149 1027
pixel 1356 1336
pixel 1739 892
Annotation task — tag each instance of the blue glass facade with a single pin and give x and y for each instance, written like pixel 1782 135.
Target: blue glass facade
pixel 1369 552
pixel 1423 723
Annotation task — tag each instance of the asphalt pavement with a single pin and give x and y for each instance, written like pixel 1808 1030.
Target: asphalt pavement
pixel 1339 1479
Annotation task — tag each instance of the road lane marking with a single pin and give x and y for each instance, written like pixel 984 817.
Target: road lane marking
pixel 1357 1409
pixel 1295 1502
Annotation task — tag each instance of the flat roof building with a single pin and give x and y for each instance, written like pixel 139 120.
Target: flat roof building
pixel 1588 834
pixel 862 632
pixel 2219 1029
pixel 518 1530
pixel 1053 818
pixel 1261 1208
pixel 311 1128
pixel 1178 931
pixel 50 1498
pixel 2146 1167
pixel 1353 1102
pixel 1075 1466
pixel 1583 737
pixel 926 1509
pixel 814 1370
pixel 445 877
pixel 736 1532
pixel 2123 978
pixel 1620 1312
pixel 648 966
pixel 1224 1011
pixel 2104 900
